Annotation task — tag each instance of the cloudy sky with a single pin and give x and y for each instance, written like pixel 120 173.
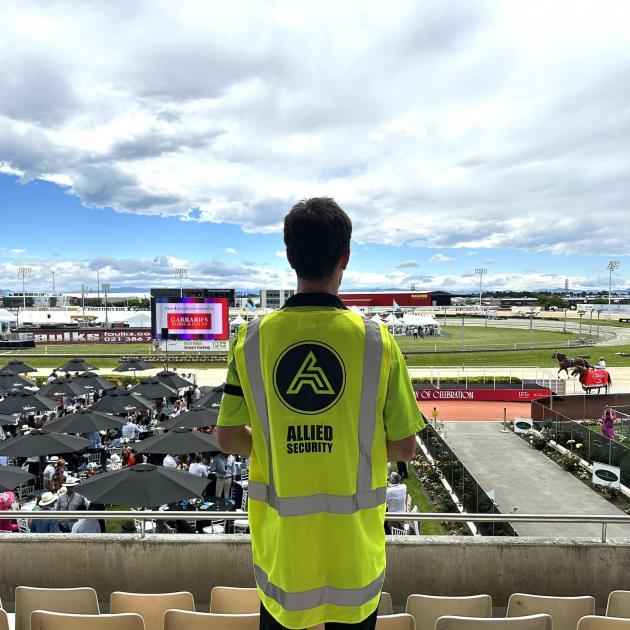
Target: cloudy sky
pixel 137 137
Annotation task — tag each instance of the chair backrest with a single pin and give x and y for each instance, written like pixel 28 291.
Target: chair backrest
pixel 565 611
pixel 398 532
pixel 244 501
pixel 228 600
pixel 42 620
pixel 244 474
pixel 402 621
pixel 80 601
pixel 595 622
pixel 385 605
pixel 22 524
pixel 427 609
pixel 618 604
pixel 181 620
pixel 531 622
pixel 4 619
pixel 151 607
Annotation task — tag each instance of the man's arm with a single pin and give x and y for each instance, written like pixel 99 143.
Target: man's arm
pixel 236 440
pixel 401 450
pixel 401 414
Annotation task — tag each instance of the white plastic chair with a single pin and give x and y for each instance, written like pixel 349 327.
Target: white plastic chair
pixel 242 524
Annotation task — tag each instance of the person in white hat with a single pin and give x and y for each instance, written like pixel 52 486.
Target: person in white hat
pixel 45 525
pixel 50 470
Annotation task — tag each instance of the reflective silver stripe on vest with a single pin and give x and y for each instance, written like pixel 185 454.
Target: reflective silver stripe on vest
pixel 365 496
pixel 369 393
pixel 251 350
pixel 315 503
pixel 304 600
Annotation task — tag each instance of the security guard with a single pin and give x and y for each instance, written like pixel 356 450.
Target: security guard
pixel 321 398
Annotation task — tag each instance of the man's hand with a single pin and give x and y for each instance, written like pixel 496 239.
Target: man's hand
pixel 401 450
pixel 236 440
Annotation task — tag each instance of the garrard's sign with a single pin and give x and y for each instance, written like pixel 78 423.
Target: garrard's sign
pixel 91 335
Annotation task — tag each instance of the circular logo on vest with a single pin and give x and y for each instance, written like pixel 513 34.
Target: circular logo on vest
pixel 309 377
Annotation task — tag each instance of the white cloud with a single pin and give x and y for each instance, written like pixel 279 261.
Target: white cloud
pixel 474 127
pixel 281 253
pixel 230 250
pixel 441 258
pixel 17 250
pixel 144 273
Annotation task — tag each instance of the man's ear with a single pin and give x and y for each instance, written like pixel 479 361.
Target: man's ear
pixel 345 259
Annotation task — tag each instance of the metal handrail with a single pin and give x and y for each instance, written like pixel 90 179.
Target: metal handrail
pixel 149 515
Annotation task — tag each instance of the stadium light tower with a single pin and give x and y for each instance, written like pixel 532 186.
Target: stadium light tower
pixel 612 265
pixel 106 287
pixel 24 272
pixel 480 271
pixel 181 273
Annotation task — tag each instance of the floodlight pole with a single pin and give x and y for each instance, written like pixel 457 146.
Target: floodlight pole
pixel 83 300
pixel 181 273
pixel 106 288
pixel 24 272
pixel 612 265
pixel 480 271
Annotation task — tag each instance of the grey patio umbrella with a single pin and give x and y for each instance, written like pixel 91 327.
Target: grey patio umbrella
pixel 121 401
pixel 211 398
pixel 12 477
pixel 132 365
pixel 41 442
pixel 179 441
pixel 172 379
pixel 10 380
pixel 9 418
pixel 17 367
pixel 194 418
pixel 143 485
pixel 92 382
pixel 154 388
pixel 76 365
pixel 18 402
pixel 60 388
pixel 85 421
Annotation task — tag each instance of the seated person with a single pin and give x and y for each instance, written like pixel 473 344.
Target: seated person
pixel 45 525
pixel 396 499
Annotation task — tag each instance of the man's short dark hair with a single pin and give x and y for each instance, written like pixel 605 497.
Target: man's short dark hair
pixel 317 234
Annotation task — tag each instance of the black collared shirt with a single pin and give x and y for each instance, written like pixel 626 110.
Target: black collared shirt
pixel 315 299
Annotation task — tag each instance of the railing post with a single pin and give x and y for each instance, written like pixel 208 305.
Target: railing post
pixel 143 527
pixel 604 526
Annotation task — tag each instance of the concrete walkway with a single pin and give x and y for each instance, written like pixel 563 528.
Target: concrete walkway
pixel 522 476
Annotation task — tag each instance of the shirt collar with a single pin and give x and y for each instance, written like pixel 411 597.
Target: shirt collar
pixel 314 299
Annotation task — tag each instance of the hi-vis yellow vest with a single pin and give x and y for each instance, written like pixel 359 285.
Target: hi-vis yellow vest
pixel 315 383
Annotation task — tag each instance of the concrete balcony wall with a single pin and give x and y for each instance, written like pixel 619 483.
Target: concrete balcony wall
pixel 430 565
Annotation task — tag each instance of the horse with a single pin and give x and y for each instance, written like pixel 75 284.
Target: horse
pixel 592 379
pixel 566 362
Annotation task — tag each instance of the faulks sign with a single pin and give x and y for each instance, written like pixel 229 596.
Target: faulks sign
pixel 92 335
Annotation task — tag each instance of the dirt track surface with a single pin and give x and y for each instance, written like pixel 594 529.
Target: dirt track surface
pixel 475 411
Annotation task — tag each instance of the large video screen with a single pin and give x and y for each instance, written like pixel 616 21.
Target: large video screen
pixel 190 318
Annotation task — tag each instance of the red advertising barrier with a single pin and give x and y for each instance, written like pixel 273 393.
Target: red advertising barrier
pixel 516 395
pixel 44 336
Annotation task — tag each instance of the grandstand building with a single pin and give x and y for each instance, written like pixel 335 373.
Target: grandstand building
pixel 404 299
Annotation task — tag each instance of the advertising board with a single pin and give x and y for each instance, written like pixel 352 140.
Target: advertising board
pixel 507 395
pixel 190 323
pixel 52 336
